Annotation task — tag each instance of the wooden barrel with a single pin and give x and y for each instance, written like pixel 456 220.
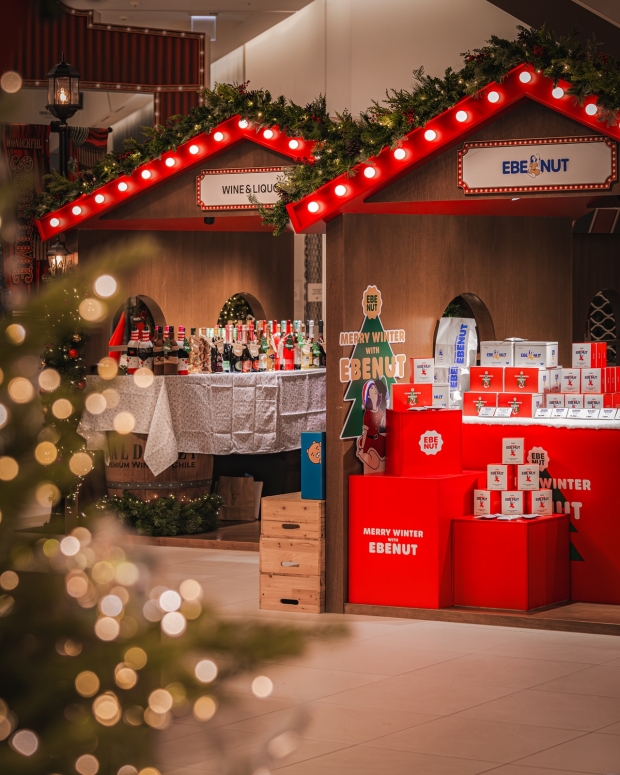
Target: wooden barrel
pixel 187 479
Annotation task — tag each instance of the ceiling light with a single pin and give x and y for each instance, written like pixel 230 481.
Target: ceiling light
pixel 525 77
pixel 369 172
pixel 313 207
pixel 340 190
pixel 54 222
pixel 243 124
pixel 268 134
pixel 591 109
pixel 400 154
pixel 493 96
pixel 218 137
pixel 193 149
pixel 77 210
pixel 170 162
pixel 146 174
pixel 293 144
pixel 430 135
pixel 558 93
pixel 99 198
pixel 461 116
pixel 122 186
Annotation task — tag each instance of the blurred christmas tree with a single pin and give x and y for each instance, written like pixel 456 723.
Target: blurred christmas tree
pixel 236 309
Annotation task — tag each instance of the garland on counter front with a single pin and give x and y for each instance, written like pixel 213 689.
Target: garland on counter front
pixel 344 141
pixel 166 515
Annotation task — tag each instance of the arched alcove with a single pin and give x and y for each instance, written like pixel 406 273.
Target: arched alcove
pixel 468 305
pixel 601 321
pixel 136 309
pixel 239 307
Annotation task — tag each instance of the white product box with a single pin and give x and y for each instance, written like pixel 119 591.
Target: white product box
pixel 584 355
pixel 528 477
pixel 574 401
pixel 441 396
pixel 423 371
pixel 592 401
pixel 592 381
pixel 554 378
pixel 497 477
pixel 542 502
pixel 512 502
pixel 440 375
pixel 555 400
pixel 513 451
pixel 496 353
pixel 570 380
pixel 482 502
pixel 544 355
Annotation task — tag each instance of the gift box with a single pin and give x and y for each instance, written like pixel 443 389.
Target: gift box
pixel 423 371
pixel 592 380
pixel 421 443
pixel 513 451
pixel 441 396
pixel 574 401
pixel 555 400
pixel 539 502
pixel 500 477
pixel 496 354
pixel 405 395
pixel 525 380
pixel 522 404
pixel 610 373
pixel 487 502
pixel 588 355
pixel 593 401
pixel 486 378
pixel 528 477
pixel 473 402
pixel 512 502
pixel 570 380
pixel 543 355
pixel 611 400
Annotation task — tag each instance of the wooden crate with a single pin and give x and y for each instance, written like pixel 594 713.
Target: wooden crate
pixel 292 557
pixel 288 516
pixel 305 594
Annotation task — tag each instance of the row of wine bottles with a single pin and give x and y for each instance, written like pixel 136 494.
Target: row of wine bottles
pixel 262 345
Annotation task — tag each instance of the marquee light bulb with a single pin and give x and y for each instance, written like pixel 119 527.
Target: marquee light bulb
pixel 430 135
pixel 369 172
pixel 243 124
pixel 77 210
pixel 293 144
pixel 400 154
pixel 218 137
pixel 146 174
pixel 461 116
pixel 170 162
pixel 591 109
pixel 493 96
pixel 54 222
pixel 99 198
pixel 193 149
pixel 525 77
pixel 268 134
pixel 558 93
pixel 313 207
pixel 340 190
pixel 122 186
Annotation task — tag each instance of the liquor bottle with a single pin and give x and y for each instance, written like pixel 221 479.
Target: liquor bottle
pixel 145 351
pixel 237 350
pixel 265 353
pixel 287 348
pixel 226 350
pixel 298 342
pixel 276 335
pixel 254 347
pixel 133 363
pixel 216 336
pixel 246 358
pixel 323 354
pixel 195 361
pixel 306 349
pixel 171 351
pixel 314 346
pixel 182 352
pixel 158 351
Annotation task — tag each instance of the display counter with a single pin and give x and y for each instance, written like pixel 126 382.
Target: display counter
pixel 216 414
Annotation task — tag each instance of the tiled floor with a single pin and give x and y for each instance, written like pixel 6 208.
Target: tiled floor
pixel 402 697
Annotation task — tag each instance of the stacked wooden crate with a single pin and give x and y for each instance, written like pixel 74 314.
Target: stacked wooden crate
pixel 292 554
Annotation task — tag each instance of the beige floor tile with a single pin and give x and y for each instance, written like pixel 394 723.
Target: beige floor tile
pixel 591 753
pixel 550 709
pixel 237 707
pixel 366 760
pixel 601 680
pixel 418 695
pixel 613 729
pixel 339 723
pixel 562 647
pixel 501 671
pixel 472 739
pixel 518 769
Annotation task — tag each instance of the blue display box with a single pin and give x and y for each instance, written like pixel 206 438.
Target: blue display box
pixel 313 465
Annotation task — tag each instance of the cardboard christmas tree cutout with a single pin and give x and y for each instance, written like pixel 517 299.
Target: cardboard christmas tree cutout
pixel 372 359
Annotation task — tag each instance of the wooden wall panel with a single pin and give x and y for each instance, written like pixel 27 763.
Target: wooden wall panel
pixel 596 267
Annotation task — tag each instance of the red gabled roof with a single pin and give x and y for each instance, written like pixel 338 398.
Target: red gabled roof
pixel 155 172
pixel 346 194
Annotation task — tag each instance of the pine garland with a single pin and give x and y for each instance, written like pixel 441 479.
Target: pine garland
pixel 166 516
pixel 344 141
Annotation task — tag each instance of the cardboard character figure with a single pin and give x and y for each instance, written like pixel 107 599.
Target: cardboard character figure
pixel 371 444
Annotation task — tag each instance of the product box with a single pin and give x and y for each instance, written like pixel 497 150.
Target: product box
pixel 474 401
pixel 512 502
pixel 611 400
pixel 593 401
pixel 456 343
pixel 496 354
pixel 589 355
pixel 555 400
pixel 440 375
pixel 570 380
pixel 522 404
pixel 554 378
pixel 486 378
pixel 426 443
pixel 539 502
pixel 602 355
pixel 592 380
pixel 423 371
pixel 313 465
pixel 525 380
pixel 441 396
pixel 405 395
pixel 499 477
pixel 487 502
pixel 513 451
pixel 543 355
pixel 528 477
pixel 610 373
pixel 574 401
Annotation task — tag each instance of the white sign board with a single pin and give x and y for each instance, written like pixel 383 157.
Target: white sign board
pixel 229 189
pixel 315 292
pixel 553 164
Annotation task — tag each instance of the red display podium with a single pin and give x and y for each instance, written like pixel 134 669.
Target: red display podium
pixel 400 537
pixel 517 565
pixel 423 442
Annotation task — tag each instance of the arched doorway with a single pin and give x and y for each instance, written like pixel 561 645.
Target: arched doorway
pixel 136 312
pixel 468 305
pixel 601 323
pixel 239 308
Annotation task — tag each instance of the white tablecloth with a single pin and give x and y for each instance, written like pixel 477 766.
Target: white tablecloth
pixel 213 414
pixel 551 422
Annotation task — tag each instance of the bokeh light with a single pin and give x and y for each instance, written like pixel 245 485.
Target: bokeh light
pixel 149 771
pixel 80 463
pixel 204 708
pixel 106 709
pixel 49 380
pixel 47 494
pixel 170 600
pixel 4 415
pixel 174 624
pixel 112 398
pixel 262 686
pixel 127 769
pixel 45 453
pixel 127 573
pixel 11 82
pixel 95 403
pixel 82 534
pixel 77 584
pixel 125 677
pixel 62 409
pixel 92 310
pixel 191 609
pixel 111 605
pixel 160 701
pixel 9 580
pixel 21 390
pixel 15 333
pixel 68 647
pixel 107 368
pixel 107 628
pixel 124 422
pixel 25 742
pixel 8 468
pixel 143 377
pixel 134 715
pixel 102 572
pixel 87 684
pixel 190 590
pixel 206 671
pixel 87 765
pixel 136 657
pixel 157 720
pixel 105 286
pixel 69 546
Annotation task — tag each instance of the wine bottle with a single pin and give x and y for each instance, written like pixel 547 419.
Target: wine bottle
pixel 182 352
pixel 195 361
pixel 226 350
pixel 171 351
pixel 145 351
pixel 264 352
pixel 158 351
pixel 276 335
pixel 133 362
pixel 287 345
pixel 306 349
pixel 322 352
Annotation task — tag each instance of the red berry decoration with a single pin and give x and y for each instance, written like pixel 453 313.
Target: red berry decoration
pixel 73 353
pixel 81 385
